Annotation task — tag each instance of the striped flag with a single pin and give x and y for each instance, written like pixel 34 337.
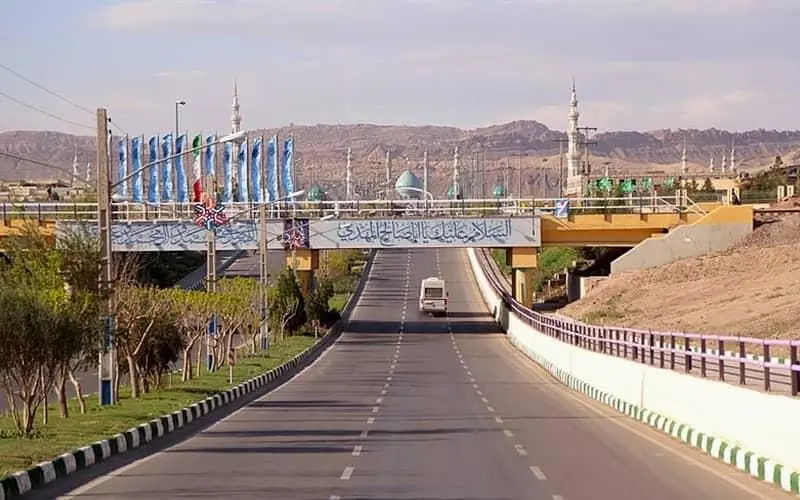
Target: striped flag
pixel 197 149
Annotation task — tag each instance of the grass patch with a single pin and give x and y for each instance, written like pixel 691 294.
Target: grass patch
pixel 61 436
pixel 338 301
pixel 499 256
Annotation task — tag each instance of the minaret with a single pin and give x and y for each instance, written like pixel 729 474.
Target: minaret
pixel 425 176
pixel 236 117
pixel 456 175
pixel 684 160
pixel 574 184
pixel 733 156
pixel 88 172
pixel 388 171
pixel 711 165
pixel 74 167
pixel 349 175
pixel 724 165
pixel 236 125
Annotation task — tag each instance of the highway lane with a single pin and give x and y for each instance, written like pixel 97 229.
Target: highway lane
pixel 408 406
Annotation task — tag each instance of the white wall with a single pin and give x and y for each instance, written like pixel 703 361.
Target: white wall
pixel 765 424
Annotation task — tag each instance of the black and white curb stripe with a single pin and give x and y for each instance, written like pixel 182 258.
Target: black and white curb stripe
pixel 20 483
pixel 747 461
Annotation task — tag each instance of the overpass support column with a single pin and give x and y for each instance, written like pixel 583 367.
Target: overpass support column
pixel 304 261
pixel 523 262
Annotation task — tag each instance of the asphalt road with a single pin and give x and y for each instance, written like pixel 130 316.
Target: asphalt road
pixel 406 406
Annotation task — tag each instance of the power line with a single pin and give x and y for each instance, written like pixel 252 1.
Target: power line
pixel 55 94
pixel 44 164
pixel 47 113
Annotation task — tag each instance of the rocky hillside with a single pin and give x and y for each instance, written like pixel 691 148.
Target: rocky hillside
pixel 321 151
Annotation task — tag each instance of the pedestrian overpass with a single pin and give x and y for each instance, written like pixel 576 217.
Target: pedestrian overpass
pixel 521 226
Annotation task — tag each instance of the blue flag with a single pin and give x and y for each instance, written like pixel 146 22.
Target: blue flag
pixel 255 170
pixel 136 164
pixel 241 172
pixel 211 155
pixel 227 172
pixel 287 173
pixel 152 181
pixel 122 168
pixel 272 169
pixel 166 168
pixel 180 170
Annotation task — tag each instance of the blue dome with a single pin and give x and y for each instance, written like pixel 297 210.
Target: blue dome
pixel 408 180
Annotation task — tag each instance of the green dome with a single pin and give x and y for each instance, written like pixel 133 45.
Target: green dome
pixel 315 193
pixel 408 180
pixel 499 191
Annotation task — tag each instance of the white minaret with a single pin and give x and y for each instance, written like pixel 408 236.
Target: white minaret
pixel 724 165
pixel 236 117
pixel 88 172
pixel 456 175
pixel 684 160
pixel 711 166
pixel 236 126
pixel 733 156
pixel 349 176
pixel 74 167
pixel 574 184
pixel 425 176
pixel 388 166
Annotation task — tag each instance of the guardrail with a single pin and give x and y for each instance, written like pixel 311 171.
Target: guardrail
pixel 129 211
pixel 725 357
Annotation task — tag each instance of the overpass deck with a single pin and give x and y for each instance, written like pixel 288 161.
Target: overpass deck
pixel 583 222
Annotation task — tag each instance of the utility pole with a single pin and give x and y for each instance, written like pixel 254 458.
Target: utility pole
pixel 519 175
pixel 587 169
pixel 561 186
pixel 106 285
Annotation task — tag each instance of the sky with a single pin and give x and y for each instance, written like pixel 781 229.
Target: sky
pixel 637 64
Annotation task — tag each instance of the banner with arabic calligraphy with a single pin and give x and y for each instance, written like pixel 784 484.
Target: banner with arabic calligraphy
pixel 431 233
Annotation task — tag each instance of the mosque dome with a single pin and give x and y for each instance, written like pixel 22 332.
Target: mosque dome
pixel 408 180
pixel 499 191
pixel 315 193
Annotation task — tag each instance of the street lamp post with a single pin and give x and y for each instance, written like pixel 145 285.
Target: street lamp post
pixel 178 104
pixel 104 216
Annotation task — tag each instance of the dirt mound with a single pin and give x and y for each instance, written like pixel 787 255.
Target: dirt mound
pixel 751 289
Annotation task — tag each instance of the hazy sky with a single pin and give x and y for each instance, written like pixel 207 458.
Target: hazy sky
pixel 639 64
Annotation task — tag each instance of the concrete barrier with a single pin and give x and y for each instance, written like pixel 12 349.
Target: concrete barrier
pixel 716 231
pixel 757 432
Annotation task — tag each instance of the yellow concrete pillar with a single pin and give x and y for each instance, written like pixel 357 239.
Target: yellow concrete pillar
pixel 304 261
pixel 523 262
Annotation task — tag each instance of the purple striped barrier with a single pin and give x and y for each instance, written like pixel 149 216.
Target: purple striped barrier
pixel 693 352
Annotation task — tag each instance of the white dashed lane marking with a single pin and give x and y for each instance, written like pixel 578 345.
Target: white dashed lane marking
pixel 348 472
pixel 499 420
pixel 538 473
pixel 357 450
pixel 521 450
pixel 508 433
pixel 371 420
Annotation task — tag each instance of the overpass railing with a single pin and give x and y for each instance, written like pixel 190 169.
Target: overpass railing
pixel 357 209
pixel 770 363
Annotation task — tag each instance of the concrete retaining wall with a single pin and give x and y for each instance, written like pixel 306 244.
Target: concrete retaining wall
pixel 736 425
pixel 716 231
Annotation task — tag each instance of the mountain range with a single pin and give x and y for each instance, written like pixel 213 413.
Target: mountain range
pixel 321 150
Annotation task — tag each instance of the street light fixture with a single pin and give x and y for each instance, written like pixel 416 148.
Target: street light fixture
pixel 178 104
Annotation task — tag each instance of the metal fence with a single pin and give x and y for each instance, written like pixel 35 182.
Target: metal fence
pixel 503 207
pixel 775 367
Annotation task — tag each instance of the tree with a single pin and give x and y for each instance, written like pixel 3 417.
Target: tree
pixel 287 307
pixel 708 186
pixel 138 310
pixel 317 305
pixel 196 310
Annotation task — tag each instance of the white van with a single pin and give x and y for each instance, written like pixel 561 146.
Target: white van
pixel 433 296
